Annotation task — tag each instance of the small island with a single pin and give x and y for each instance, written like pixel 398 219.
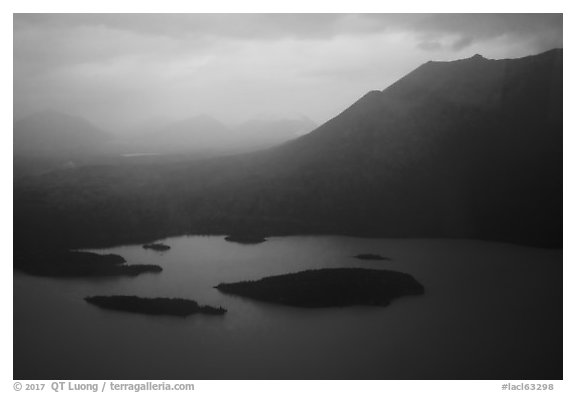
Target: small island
pixel 245 239
pixel 154 306
pixel 58 263
pixel 328 287
pixel 156 247
pixel 372 257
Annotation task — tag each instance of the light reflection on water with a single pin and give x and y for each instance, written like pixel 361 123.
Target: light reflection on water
pixel 490 311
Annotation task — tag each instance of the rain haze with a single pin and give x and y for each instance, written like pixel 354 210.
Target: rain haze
pixel 288 196
pixel 123 71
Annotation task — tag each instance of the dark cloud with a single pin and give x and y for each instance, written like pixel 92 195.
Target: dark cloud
pixel 430 45
pixel 48 40
pixel 258 26
pixel 469 28
pixel 462 42
pixel 120 68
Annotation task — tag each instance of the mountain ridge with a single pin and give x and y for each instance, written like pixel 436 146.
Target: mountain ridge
pixel 460 149
pixel 52 131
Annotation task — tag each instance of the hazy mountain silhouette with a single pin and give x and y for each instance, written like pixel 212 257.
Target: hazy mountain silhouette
pixel 198 133
pixel 266 132
pixel 54 133
pixel 51 140
pixel 468 148
pixel 204 134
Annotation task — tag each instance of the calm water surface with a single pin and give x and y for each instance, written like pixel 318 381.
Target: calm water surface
pixel 490 310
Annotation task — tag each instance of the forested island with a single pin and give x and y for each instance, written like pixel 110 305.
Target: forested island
pixel 328 287
pixel 154 306
pixel 63 263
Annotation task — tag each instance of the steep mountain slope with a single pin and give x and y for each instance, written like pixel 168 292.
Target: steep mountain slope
pixel 465 148
pixel 469 148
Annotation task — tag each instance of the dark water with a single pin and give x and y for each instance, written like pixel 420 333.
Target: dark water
pixel 491 311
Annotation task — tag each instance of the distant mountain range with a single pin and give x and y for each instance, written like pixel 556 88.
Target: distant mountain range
pixel 198 133
pixel 267 132
pixel 469 148
pixel 61 136
pixel 203 134
pixel 53 133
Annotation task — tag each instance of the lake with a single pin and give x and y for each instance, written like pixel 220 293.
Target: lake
pixel 490 311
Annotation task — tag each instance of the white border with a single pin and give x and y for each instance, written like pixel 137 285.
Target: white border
pixel 566 7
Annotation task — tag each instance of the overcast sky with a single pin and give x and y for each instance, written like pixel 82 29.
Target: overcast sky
pixel 122 70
